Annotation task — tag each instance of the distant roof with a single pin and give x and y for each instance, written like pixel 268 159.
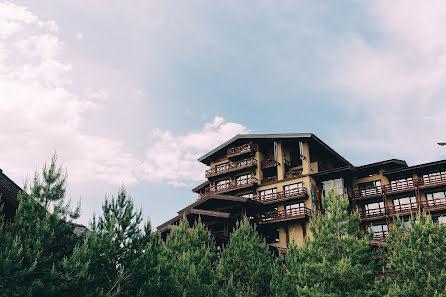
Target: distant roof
pixel 270 136
pixel 422 167
pixel 392 162
pixel 9 185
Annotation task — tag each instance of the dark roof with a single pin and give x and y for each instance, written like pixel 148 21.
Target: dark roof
pixel 419 167
pixel 9 185
pixel 270 136
pixel 201 186
pixel 391 163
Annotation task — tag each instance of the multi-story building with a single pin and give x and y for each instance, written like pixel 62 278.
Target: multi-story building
pixel 278 180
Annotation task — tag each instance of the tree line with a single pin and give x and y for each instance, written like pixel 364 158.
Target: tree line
pixel 40 254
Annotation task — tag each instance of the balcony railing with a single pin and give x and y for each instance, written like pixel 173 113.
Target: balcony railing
pixel 268 163
pixel 404 209
pixel 372 214
pixel 240 150
pixel 231 167
pixel 398 187
pixel 367 193
pixel 294 174
pixel 232 185
pixel 433 180
pixel 285 215
pixel 380 235
pixel 282 196
pixel 434 204
pixel 269 180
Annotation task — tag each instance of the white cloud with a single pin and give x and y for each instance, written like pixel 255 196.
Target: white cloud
pixel 79 35
pixel 39 112
pixel 172 158
pixel 397 82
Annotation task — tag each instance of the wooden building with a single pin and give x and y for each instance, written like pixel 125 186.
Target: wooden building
pixel 278 181
pixel 8 192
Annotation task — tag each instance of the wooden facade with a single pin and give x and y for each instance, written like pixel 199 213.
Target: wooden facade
pixel 278 181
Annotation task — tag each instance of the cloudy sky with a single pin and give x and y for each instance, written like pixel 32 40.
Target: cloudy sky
pixel 134 94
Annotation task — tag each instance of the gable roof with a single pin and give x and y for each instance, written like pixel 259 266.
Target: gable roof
pixel 204 158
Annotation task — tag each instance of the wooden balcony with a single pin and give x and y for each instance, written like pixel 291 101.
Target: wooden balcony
pixel 269 180
pixel 432 181
pixel 372 214
pixel 231 167
pixel 403 209
pixel 233 185
pixel 367 193
pixel 399 187
pixel 293 174
pixel 380 235
pixel 282 196
pixel 285 215
pixel 268 163
pixel 240 150
pixel 434 205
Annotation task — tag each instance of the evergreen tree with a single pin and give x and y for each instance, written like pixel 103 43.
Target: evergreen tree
pixel 246 264
pixel 334 262
pixel 189 258
pixel 417 258
pixel 34 244
pixel 115 244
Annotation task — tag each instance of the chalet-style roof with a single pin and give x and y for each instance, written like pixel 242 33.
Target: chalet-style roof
pixel 423 168
pixel 9 189
pixel 201 186
pixel 392 163
pixel 205 158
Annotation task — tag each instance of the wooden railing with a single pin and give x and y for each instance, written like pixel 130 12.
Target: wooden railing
pixel 242 149
pixel 282 196
pixel 434 204
pixel 433 180
pixel 397 187
pixel 294 174
pixel 269 163
pixel 284 215
pixel 367 193
pixel 380 235
pixel 372 214
pixel 232 166
pixel 269 180
pixel 233 185
pixel 404 209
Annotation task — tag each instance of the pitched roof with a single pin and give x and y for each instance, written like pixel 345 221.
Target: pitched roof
pixel 271 136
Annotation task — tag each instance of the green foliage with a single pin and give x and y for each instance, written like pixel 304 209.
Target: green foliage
pixel 334 262
pixel 417 258
pixel 189 258
pixel 246 264
pixel 39 241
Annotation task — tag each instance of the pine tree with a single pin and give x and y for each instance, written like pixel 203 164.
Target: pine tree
pixel 189 258
pixel 417 258
pixel 246 264
pixel 334 262
pixel 34 244
pixel 115 243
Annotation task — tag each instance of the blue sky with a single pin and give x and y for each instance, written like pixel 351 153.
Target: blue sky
pixel 133 94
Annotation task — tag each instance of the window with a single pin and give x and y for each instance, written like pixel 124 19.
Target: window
pixel 439 220
pixel 337 184
pixel 401 184
pixel 379 231
pixel 243 179
pixel 293 189
pixel 222 167
pixel 249 195
pixel 295 208
pixel 273 236
pixel 370 188
pixel 406 203
pixel 434 177
pixel 223 184
pixel 437 198
pixel 268 194
pixel 373 209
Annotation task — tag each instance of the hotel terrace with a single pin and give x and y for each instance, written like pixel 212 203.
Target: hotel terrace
pixel 278 181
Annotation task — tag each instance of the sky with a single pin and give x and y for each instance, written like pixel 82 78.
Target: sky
pixel 132 93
